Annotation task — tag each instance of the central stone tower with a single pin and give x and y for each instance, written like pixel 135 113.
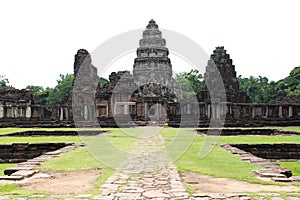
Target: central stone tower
pixel 152 64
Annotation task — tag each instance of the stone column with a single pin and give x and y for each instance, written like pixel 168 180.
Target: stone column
pixel 107 110
pixel 85 112
pixel 188 109
pixel 218 113
pixel 115 109
pixel 61 117
pixel 208 111
pixel 28 112
pixel 280 111
pixel 146 110
pixel 66 113
pixel 157 111
pixel 253 111
pixel 14 112
pixel 290 111
pixel 125 108
pixel 1 111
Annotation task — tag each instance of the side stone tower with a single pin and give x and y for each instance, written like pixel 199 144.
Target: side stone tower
pixel 220 69
pixel 152 64
pixel 84 87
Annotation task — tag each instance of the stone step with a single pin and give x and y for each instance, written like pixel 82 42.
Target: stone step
pixel 11 178
pixel 24 173
pixel 12 170
pixel 276 179
pixel 270 175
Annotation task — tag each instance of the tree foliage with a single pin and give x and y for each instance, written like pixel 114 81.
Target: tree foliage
pixel 41 93
pixel 190 82
pixel 54 96
pixel 4 83
pixel 62 89
pixel 259 89
pixel 102 81
pixel 291 84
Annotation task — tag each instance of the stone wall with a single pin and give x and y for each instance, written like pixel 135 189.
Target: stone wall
pixel 272 151
pixel 20 152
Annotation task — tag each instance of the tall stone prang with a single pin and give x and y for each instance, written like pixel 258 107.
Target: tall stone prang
pixel 224 67
pixel 220 74
pixel 84 86
pixel 152 64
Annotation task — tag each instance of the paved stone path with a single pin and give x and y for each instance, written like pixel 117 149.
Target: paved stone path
pixel 147 173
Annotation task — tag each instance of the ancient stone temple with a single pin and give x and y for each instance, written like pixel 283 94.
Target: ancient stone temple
pixel 148 96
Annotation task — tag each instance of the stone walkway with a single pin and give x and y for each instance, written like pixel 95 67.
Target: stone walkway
pixel 147 173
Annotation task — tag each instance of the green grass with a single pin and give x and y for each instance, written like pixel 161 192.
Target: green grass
pixel 5 166
pixel 290 128
pixel 78 159
pixel 13 130
pixel 293 166
pixel 9 140
pixel 219 162
pixel 8 188
pixel 258 139
pixel 190 189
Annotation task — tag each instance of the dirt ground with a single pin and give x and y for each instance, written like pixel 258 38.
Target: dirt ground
pixel 208 184
pixel 81 181
pixel 63 182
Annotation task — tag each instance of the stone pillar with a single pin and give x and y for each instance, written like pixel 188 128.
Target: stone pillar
pixel 1 111
pixel 290 111
pixel 157 111
pixel 208 111
pixel 28 112
pixel 21 112
pixel 61 117
pixel 66 113
pixel 280 111
pixel 253 111
pixel 115 109
pixel 146 110
pixel 14 112
pixel 188 109
pixel 218 111
pixel 97 110
pixel 267 111
pixel 125 108
pixel 85 112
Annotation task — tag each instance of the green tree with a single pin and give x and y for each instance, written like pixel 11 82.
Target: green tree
pixel 259 89
pixel 63 88
pixel 102 81
pixel 291 84
pixel 190 82
pixel 4 83
pixel 42 94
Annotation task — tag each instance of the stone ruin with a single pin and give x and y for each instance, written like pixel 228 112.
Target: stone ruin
pixel 149 95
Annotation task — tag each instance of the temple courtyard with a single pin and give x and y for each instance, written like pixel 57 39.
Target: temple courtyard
pixel 150 163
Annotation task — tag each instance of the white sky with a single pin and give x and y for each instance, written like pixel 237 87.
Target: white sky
pixel 38 39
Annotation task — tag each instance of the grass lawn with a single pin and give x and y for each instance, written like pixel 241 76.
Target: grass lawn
pixel 5 166
pixel 79 159
pixel 290 128
pixel 293 166
pixel 218 163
